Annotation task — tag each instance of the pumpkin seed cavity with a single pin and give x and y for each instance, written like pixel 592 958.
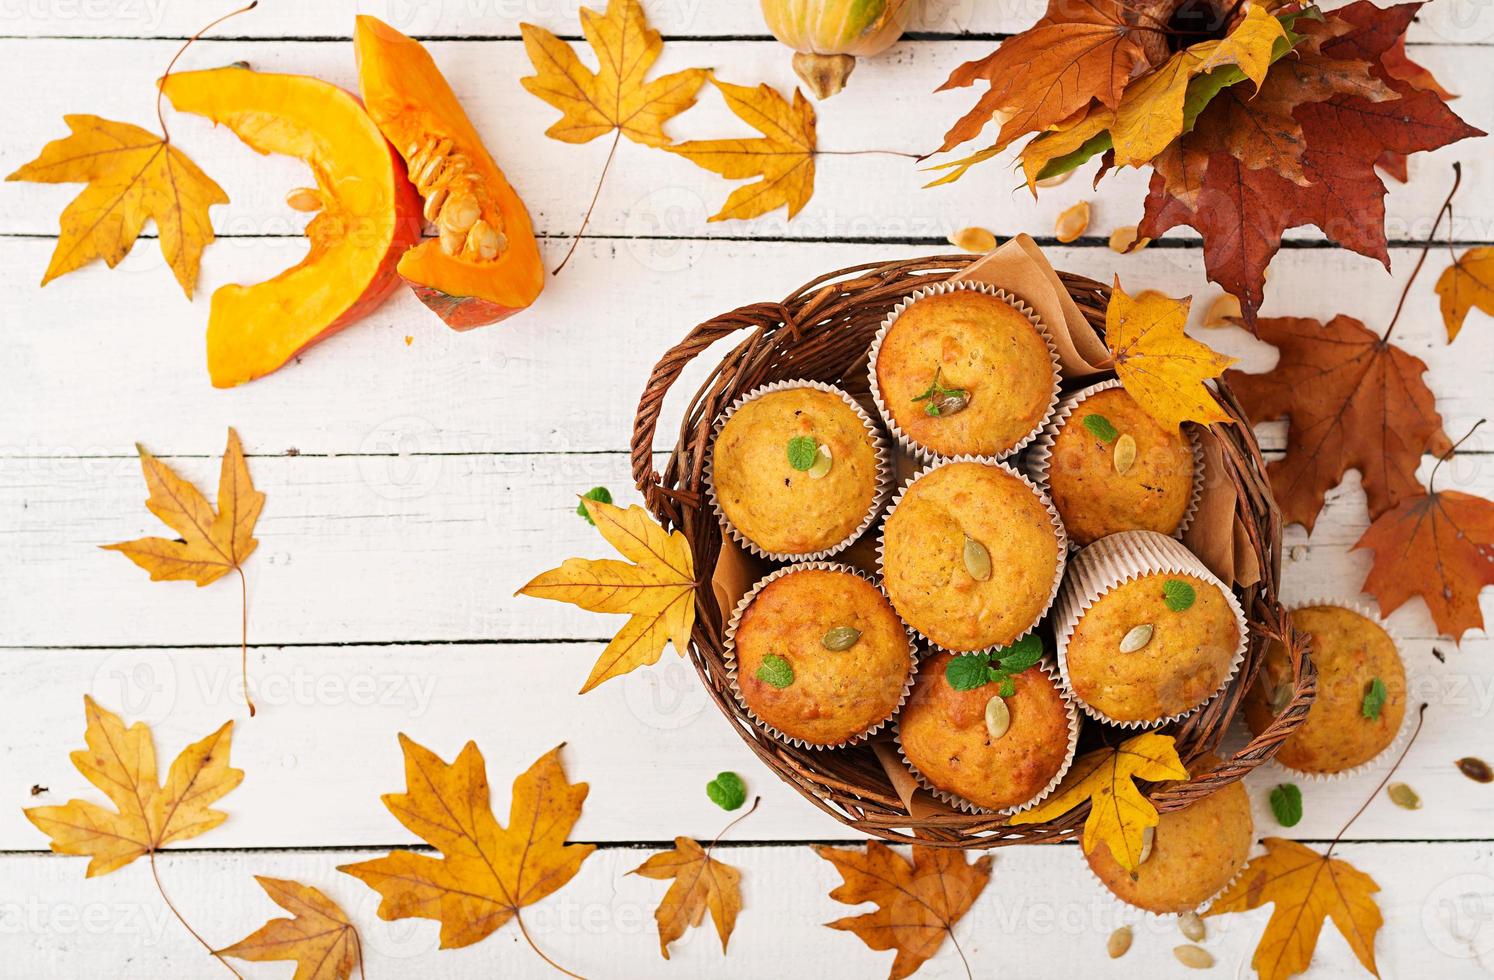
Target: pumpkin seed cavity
pixel 977 560
pixel 1138 637
pixel 451 189
pixel 840 638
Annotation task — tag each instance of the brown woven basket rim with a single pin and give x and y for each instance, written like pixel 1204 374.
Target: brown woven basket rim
pixel 822 331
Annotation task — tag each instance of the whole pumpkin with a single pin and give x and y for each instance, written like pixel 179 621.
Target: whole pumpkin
pixel 828 35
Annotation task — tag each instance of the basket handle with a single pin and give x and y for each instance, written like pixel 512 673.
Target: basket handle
pixel 668 370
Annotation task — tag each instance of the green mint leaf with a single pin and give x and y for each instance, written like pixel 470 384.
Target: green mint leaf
pixel 1021 655
pixel 931 407
pixel 1008 687
pixel 801 452
pixel 775 671
pixel 968 671
pixel 600 494
pixel 1100 427
pixel 1374 699
pixel 1178 595
pixel 727 790
pixel 1286 804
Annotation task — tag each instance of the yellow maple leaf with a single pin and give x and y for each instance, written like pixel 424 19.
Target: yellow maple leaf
pixel 121 762
pixel 783 156
pixel 318 938
pixel 658 590
pixel 700 883
pixel 616 96
pixel 1306 888
pixel 212 543
pixel 487 873
pixel 1118 814
pixel 1150 115
pixel 1158 364
pixel 132 175
pixel 1467 283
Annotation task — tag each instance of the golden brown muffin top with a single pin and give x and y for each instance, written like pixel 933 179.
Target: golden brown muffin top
pixel 781 509
pixel 943 733
pixel 1093 496
pixel 978 344
pixel 924 566
pixel 831 695
pixel 1183 662
pixel 1196 851
pixel 1350 651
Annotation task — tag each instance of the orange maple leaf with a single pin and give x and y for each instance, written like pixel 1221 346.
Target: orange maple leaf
pixel 1464 285
pixel 918 902
pixel 318 938
pixel 700 883
pixel 1353 401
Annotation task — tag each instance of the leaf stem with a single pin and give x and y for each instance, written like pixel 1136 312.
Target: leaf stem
pixel 740 817
pixel 1425 248
pixel 858 153
pixel 616 138
pixel 1432 479
pixel 1421 716
pixel 154 873
pixel 244 637
pixel 519 918
pixel 161 85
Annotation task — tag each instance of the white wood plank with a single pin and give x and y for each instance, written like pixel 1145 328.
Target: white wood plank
pixel 382 549
pixel 325 738
pixel 650 192
pixel 1041 917
pixel 1442 22
pixel 91 375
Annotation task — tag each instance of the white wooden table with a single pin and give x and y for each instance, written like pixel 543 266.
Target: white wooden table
pixel 416 477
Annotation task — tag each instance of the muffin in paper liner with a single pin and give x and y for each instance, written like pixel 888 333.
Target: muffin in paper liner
pixel 920 452
pixel 960 803
pixel 1040 453
pixel 1407 720
pixel 730 656
pixel 1058 530
pixel 1119 558
pixel 1126 910
pixel 886 472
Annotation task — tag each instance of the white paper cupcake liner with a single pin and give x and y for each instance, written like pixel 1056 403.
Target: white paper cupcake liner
pixel 1407 721
pixel 921 452
pixel 730 656
pixel 1058 530
pixel 1040 453
pixel 960 803
pixel 886 473
pixel 1115 560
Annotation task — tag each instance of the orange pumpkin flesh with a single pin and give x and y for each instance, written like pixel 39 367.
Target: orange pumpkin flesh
pixel 410 100
pixel 369 215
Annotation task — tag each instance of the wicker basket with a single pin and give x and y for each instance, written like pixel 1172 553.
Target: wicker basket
pixel 822 331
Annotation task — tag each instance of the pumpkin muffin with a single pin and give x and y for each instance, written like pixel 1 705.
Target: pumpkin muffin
pixel 1195 852
pixel 820 656
pixel 1110 467
pixel 1352 720
pixel 971 554
pixel 964 373
pixel 1152 647
pixel 796 471
pixel 996 757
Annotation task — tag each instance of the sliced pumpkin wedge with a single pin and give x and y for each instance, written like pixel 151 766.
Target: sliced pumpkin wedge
pixel 483 263
pixel 367 215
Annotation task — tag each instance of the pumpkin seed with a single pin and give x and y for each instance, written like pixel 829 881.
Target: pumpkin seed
pixel 1148 837
pixel 1191 926
pixel 998 717
pixel 840 638
pixel 977 560
pixel 1124 239
pixel 304 199
pixel 1193 957
pixel 1120 941
pixel 483 240
pixel 948 403
pixel 1475 769
pixel 1138 637
pixel 433 202
pixel 1221 311
pixel 1072 222
pixel 460 212
pixel 822 463
pixel 1404 796
pixel 1124 456
pixel 977 240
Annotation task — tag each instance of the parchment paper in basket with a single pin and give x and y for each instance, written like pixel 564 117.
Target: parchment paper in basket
pixel 1020 267
pixel 919 802
pixel 1216 535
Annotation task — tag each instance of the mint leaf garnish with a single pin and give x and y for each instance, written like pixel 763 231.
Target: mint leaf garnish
pixel 940 400
pixel 1178 595
pixel 727 790
pixel 968 671
pixel 599 494
pixel 1374 699
pixel 1286 804
pixel 1100 427
pixel 802 451
pixel 775 671
pixel 1021 655
pixel 971 670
